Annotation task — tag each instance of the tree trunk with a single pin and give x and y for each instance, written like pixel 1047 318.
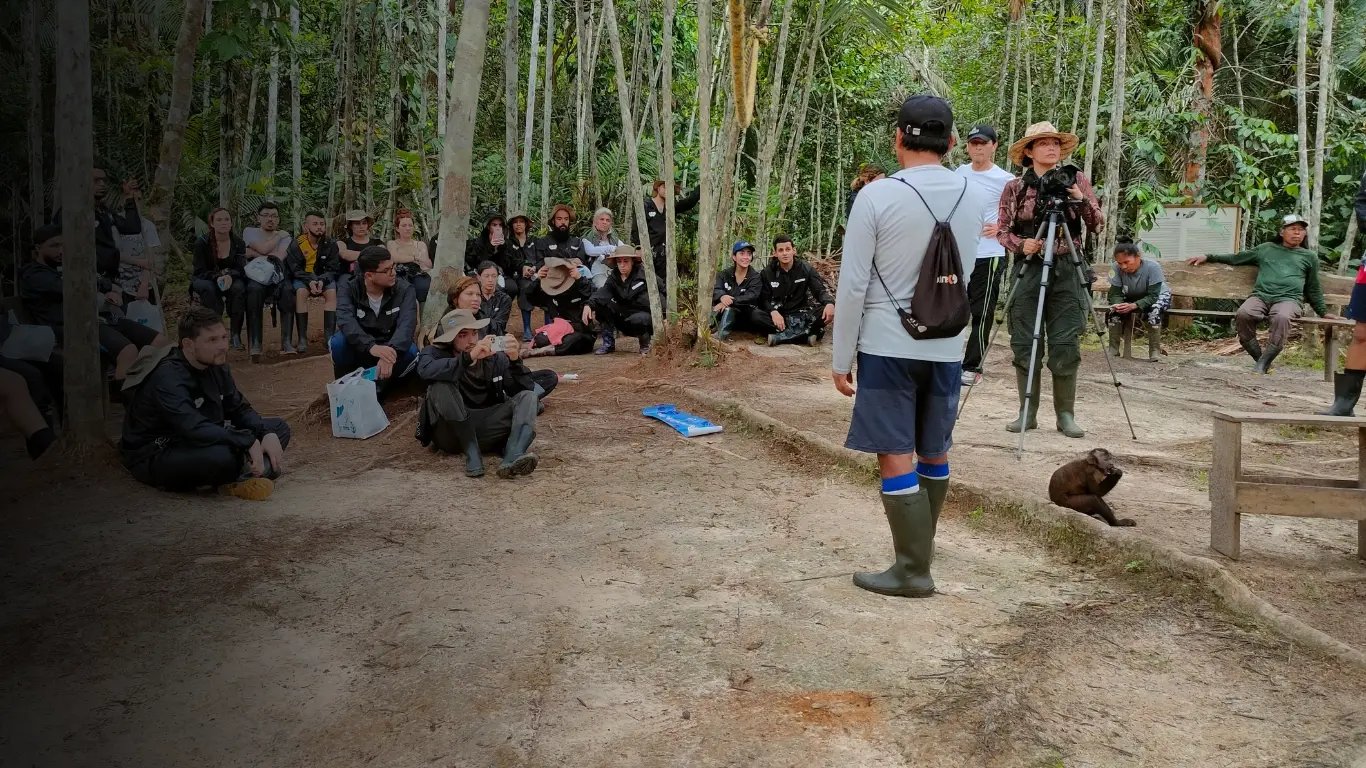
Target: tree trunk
pixel 706 215
pixel 75 155
pixel 173 133
pixel 546 108
pixel 1081 75
pixel 296 150
pixel 1097 75
pixel 1325 108
pixel 634 193
pixel 443 18
pixel 794 147
pixel 1004 76
pixel 37 200
pixel 525 192
pixel 368 172
pixel 272 111
pixel 1207 39
pixel 666 118
pixel 774 105
pixel 511 69
pixel 735 14
pixel 1302 107
pixel 581 90
pixel 1115 153
pixel 224 131
pixel 1348 240
pixel 1055 105
pixel 1020 44
pixel 1029 87
pixel 348 90
pixel 208 81
pixel 457 151
pixel 249 128
pixel 396 60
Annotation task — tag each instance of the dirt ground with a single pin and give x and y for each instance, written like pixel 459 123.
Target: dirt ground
pixel 644 599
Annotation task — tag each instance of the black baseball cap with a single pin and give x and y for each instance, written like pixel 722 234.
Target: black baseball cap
pixel 984 132
pixel 925 115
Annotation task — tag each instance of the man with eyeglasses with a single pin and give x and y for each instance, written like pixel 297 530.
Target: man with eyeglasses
pixel 376 320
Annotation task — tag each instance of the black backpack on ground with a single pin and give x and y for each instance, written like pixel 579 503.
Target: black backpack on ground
pixel 940 306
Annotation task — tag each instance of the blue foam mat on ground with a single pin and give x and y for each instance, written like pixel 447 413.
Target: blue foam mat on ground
pixel 685 423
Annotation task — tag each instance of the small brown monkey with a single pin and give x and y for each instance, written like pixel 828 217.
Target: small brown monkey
pixel 1082 483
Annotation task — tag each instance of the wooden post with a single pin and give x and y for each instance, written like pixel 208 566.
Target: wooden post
pixel 1361 483
pixel 1224 472
pixel 1330 352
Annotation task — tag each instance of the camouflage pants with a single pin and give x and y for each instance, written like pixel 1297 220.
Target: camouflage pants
pixel 1064 317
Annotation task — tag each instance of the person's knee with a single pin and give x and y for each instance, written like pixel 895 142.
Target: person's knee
pixel 280 428
pixel 337 345
pixel 1064 358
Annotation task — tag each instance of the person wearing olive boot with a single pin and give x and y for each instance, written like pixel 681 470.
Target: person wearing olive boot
pixel 1287 275
pixel 736 296
pixel 1041 152
pixel 1348 383
pixel 1138 296
pixel 477 397
pixel 907 396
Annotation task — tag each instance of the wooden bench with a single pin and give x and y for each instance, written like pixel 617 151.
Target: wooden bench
pixel 1233 494
pixel 1222 281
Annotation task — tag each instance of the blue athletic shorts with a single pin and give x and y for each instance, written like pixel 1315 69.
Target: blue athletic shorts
pixel 904 406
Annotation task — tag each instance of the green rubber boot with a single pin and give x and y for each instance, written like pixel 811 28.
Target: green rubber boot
pixel 937 489
pixel 1064 402
pixel 912 523
pixel 1033 420
pixel 1347 391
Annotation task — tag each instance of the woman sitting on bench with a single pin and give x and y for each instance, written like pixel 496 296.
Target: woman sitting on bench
pixel 1137 289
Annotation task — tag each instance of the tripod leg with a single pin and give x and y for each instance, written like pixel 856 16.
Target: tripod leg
pixel 1032 370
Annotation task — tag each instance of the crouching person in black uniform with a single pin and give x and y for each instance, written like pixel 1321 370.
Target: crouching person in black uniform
pixel 623 302
pixel 799 304
pixel 737 293
pixel 187 425
pixel 564 293
pixel 477 397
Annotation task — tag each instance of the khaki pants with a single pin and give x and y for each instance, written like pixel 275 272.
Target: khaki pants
pixel 1254 311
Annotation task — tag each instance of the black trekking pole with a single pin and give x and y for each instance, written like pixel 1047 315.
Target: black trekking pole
pixel 1100 332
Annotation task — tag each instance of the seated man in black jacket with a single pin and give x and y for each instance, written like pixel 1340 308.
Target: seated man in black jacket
pixel 479 395
pixel 311 266
pixel 40 291
pixel 623 302
pixel 187 426
pixel 376 319
pixel 798 302
pixel 565 294
pixel 737 293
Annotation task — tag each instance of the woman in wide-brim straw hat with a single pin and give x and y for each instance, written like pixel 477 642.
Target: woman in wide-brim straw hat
pixel 357 237
pixel 1041 151
pixel 623 302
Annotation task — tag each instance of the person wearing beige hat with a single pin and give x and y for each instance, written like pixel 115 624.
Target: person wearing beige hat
pixel 1020 219
pixel 479 395
pixel 623 302
pixel 564 292
pixel 358 238
pixel 1287 273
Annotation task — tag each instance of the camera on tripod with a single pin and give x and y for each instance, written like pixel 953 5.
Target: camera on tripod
pixel 1055 185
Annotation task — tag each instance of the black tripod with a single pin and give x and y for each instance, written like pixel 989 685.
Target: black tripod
pixel 1053 210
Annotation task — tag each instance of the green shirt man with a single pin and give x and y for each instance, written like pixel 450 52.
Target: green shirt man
pixel 1287 274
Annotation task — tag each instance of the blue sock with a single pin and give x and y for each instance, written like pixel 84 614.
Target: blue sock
pixel 932 471
pixel 900 485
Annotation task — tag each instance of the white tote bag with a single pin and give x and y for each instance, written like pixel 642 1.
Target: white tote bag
pixel 28 342
pixel 146 313
pixel 355 407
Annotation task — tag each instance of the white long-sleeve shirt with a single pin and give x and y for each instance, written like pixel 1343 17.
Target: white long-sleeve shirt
pixel 889 223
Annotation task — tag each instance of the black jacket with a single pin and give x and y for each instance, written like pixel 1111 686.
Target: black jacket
pixel 483 384
pixel 107 254
pixel 177 401
pixel 497 308
pixel 794 290
pixel 40 291
pixel 327 263
pixel 744 294
pixel 479 250
pixel 206 267
pixel 395 325
pixel 623 297
pixel 345 267
pixel 518 254
pixel 569 304
pixel 656 217
pixel 547 247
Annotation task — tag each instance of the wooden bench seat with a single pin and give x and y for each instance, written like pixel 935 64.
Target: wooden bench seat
pixel 1233 494
pixel 1223 281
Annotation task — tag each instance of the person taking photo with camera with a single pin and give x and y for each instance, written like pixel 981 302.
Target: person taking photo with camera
pixel 1023 207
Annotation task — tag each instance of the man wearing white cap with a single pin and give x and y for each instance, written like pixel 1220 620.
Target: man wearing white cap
pixel 1287 273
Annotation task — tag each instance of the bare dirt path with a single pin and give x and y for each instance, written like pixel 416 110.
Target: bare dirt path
pixel 641 600
pixel 1306 567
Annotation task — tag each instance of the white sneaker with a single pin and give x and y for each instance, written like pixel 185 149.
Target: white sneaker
pixel 970 378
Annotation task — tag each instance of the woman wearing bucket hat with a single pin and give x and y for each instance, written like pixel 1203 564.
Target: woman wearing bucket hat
pixel 1041 152
pixel 358 238
pixel 736 296
pixel 623 302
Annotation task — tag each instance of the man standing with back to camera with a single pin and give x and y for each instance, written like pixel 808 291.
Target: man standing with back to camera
pixel 907 388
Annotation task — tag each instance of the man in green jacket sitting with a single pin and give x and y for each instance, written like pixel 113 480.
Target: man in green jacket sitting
pixel 1287 272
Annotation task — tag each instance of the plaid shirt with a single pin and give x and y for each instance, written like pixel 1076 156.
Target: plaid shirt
pixel 1013 210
